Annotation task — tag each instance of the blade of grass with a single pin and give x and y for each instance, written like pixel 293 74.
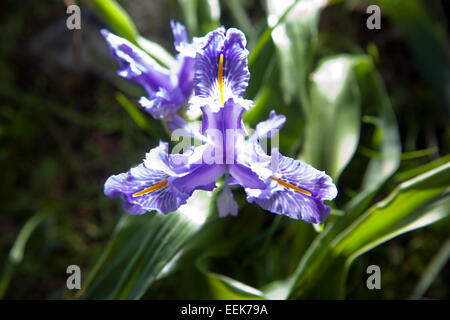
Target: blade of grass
pixel 17 250
pixel 432 271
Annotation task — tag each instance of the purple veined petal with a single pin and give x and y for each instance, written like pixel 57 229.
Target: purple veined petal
pixel 221 66
pixel 227 118
pixel 183 70
pixel 225 202
pixel 158 159
pixel 167 90
pixel 224 127
pixel 179 35
pixel 266 128
pixel 196 103
pixel 174 165
pixel 185 75
pixel 207 65
pixel 163 103
pixel 305 176
pixel 136 65
pixel 246 176
pixel 295 206
pixel 134 186
pixel 235 66
pixel 202 177
pixel 250 153
pixel 295 189
pixel 185 48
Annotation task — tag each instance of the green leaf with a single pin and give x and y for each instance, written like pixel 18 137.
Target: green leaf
pixel 222 287
pixel 269 98
pixel 143 249
pixel 334 119
pixel 323 269
pixel 156 51
pixel 433 269
pixel 136 115
pixel 376 105
pixel 17 250
pixel 414 204
pixel 401 212
pixel 242 20
pixel 200 16
pixel 295 35
pixel 116 17
pixel 119 20
pixel 407 174
pixel 386 135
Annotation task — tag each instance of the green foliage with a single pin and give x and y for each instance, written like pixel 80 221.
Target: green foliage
pixel 17 251
pixel 333 121
pixel 142 249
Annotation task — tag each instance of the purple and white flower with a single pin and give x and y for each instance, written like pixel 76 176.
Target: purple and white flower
pixel 167 89
pixel 277 183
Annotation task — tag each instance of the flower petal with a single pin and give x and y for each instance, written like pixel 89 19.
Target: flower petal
pixel 181 128
pixel 202 177
pixel 185 75
pixel 179 35
pixel 245 176
pixel 295 206
pixel 266 128
pixel 164 198
pixel 225 128
pixel 221 66
pixel 163 103
pixel 136 65
pixel 225 202
pixel 167 90
pixel 295 189
pixel 227 118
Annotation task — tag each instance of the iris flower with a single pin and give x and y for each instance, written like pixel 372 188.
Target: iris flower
pixel 277 183
pixel 167 88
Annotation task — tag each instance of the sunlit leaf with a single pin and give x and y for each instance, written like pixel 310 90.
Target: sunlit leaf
pixel 142 249
pixel 385 139
pixel 401 212
pixel 200 16
pixel 119 20
pixel 334 119
pixel 116 17
pixel 222 287
pixel 295 39
pixel 414 204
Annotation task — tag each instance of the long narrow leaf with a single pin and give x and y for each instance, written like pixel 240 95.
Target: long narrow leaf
pixel 141 249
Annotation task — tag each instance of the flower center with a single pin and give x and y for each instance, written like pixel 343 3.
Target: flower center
pixel 291 186
pixel 152 188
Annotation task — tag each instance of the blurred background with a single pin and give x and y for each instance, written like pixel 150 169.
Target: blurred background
pixel 64 129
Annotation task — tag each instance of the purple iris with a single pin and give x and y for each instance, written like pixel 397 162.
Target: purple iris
pixel 279 184
pixel 167 89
